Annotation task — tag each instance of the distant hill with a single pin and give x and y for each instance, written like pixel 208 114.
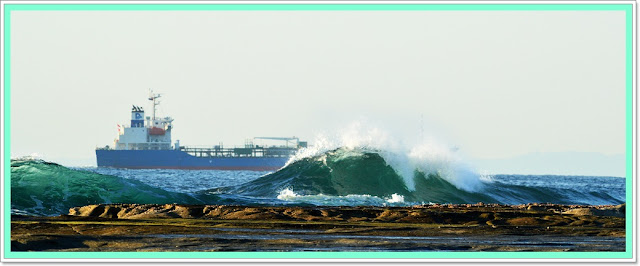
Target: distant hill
pixel 556 163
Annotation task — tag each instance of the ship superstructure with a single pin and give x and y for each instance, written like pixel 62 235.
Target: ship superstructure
pixel 145 133
pixel 146 143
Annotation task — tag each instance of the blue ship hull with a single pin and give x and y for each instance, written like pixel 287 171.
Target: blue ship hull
pixel 176 159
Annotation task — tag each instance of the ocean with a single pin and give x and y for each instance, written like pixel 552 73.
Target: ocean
pixel 343 176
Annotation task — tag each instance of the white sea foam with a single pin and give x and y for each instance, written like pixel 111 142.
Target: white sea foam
pixel 288 194
pixel 430 156
pixel 395 198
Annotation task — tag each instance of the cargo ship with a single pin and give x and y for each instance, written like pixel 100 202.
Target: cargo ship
pixel 146 144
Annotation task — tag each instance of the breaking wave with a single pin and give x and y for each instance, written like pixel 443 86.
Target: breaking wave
pixel 346 176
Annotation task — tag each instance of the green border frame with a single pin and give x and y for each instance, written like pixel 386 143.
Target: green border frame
pixel 628 8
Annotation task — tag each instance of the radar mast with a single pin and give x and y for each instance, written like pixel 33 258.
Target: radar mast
pixel 152 98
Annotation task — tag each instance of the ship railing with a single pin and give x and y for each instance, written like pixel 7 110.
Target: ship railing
pixel 239 152
pixel 220 146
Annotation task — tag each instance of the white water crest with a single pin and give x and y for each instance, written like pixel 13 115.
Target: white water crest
pixel 430 156
pixel 31 157
pixel 288 194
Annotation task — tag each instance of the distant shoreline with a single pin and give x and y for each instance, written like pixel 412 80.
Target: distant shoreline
pixel 460 227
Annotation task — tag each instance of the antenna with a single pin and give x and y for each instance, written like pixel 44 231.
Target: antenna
pixel 153 97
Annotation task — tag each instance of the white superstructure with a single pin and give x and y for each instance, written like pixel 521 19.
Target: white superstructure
pixel 145 133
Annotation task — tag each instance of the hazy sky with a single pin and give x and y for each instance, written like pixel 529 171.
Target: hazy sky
pixel 495 84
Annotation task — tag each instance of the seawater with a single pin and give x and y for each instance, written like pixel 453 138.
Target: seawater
pixel 353 176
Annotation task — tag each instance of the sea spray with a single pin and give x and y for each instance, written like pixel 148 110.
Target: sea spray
pixel 430 156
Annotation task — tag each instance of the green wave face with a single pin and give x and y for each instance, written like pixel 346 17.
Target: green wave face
pixel 339 172
pixel 43 188
pixel 343 172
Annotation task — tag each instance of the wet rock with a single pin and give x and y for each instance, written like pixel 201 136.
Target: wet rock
pixel 179 227
pixel 594 211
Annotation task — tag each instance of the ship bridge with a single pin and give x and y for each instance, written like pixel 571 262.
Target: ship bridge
pixel 145 133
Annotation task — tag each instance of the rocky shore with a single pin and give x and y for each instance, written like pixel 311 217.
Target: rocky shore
pixel 466 227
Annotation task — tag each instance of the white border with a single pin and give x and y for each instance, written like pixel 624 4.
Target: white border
pixel 384 260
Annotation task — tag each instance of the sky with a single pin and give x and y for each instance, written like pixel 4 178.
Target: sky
pixel 498 85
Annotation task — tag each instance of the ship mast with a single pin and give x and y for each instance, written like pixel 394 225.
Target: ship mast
pixel 152 98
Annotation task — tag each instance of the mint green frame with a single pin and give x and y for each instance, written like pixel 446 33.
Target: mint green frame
pixel 628 8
